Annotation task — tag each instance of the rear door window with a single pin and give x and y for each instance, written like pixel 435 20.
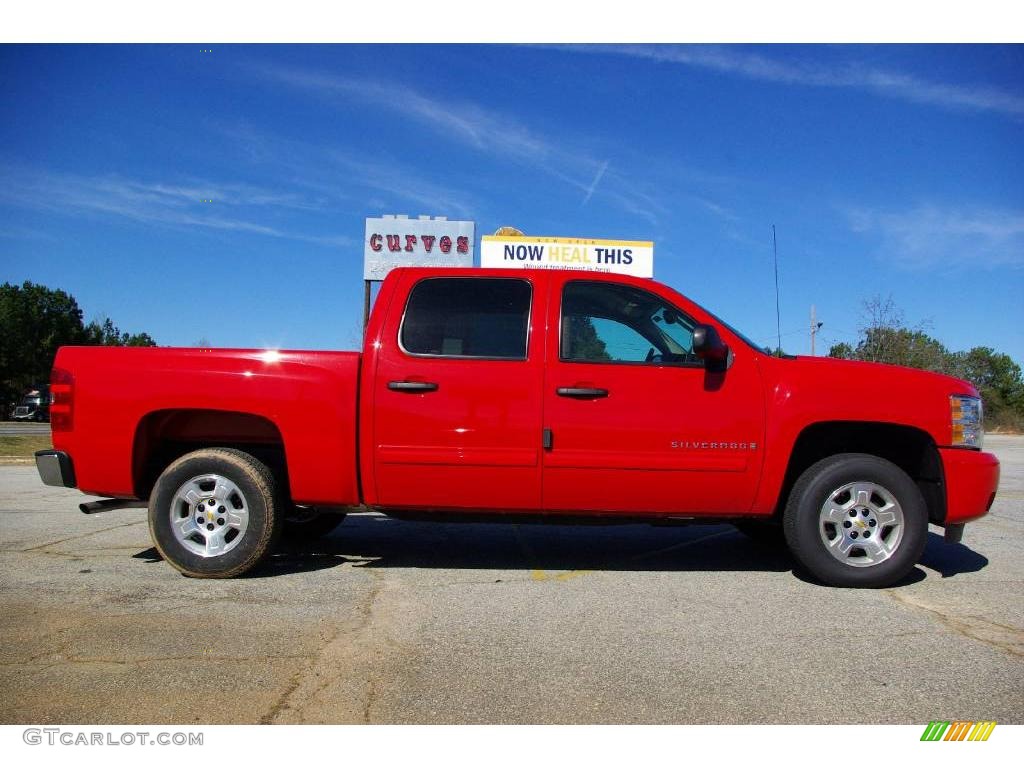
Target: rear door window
pixel 467 317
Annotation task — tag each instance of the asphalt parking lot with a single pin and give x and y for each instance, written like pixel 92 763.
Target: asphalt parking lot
pixel 396 622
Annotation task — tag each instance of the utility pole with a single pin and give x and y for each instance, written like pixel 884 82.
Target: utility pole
pixel 815 326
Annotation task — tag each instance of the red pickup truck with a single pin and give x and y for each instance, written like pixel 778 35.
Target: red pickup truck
pixel 527 395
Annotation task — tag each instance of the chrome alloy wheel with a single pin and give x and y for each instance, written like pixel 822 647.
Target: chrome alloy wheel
pixel 861 524
pixel 209 515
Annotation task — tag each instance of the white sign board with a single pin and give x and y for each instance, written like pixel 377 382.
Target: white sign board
pixel 398 241
pixel 624 257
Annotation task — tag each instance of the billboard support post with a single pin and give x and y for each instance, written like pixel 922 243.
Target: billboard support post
pixel 366 304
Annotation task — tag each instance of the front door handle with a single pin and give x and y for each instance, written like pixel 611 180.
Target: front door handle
pixel 581 392
pixel 412 386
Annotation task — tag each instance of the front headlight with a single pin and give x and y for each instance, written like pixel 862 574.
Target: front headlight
pixel 965 417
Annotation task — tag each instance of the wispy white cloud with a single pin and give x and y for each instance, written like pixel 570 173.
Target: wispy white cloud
pixel 595 182
pixel 930 236
pixel 719 210
pixel 336 173
pixel 742 62
pixel 174 204
pixel 392 178
pixel 488 131
pixel 234 194
pixel 464 121
pixel 21 233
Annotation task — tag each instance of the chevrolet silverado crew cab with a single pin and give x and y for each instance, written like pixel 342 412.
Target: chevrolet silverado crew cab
pixel 526 395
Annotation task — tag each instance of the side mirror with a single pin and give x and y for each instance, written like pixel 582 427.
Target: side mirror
pixel 709 347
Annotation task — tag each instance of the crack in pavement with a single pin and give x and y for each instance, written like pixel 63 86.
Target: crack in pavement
pixel 109 553
pixel 275 709
pixel 138 662
pixel 343 641
pixel 1006 638
pixel 81 536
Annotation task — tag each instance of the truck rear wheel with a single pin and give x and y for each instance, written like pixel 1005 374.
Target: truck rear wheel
pixel 214 514
pixel 856 520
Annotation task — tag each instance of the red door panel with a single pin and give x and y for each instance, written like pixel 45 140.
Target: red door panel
pixel 667 437
pixel 474 441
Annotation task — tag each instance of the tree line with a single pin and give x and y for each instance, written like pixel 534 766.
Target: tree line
pixel 885 338
pixel 34 322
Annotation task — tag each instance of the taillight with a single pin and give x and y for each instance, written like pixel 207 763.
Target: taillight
pixel 62 400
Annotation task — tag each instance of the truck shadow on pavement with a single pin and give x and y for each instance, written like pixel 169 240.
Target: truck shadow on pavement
pixel 951 559
pixel 375 541
pixel 948 559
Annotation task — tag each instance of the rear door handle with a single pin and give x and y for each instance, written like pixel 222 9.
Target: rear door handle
pixel 581 392
pixel 412 386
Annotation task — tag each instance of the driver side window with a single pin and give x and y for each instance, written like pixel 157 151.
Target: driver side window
pixel 614 323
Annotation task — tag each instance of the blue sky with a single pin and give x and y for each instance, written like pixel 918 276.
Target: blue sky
pixel 887 170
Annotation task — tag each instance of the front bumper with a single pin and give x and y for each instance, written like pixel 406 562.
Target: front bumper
pixel 55 468
pixel 972 478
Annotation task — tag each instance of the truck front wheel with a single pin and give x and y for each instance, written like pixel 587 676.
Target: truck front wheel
pixel 214 514
pixel 856 520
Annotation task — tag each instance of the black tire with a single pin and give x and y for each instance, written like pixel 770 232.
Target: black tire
pixel 256 494
pixel 309 523
pixel 765 533
pixel 808 526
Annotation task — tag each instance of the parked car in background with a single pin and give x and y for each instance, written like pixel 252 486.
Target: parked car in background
pixel 34 405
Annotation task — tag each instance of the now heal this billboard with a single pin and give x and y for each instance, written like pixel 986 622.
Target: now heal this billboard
pixel 624 257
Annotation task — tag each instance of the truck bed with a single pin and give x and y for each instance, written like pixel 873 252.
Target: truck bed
pixel 148 402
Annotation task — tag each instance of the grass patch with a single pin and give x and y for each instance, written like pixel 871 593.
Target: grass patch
pixel 22 446
pixel 1005 423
